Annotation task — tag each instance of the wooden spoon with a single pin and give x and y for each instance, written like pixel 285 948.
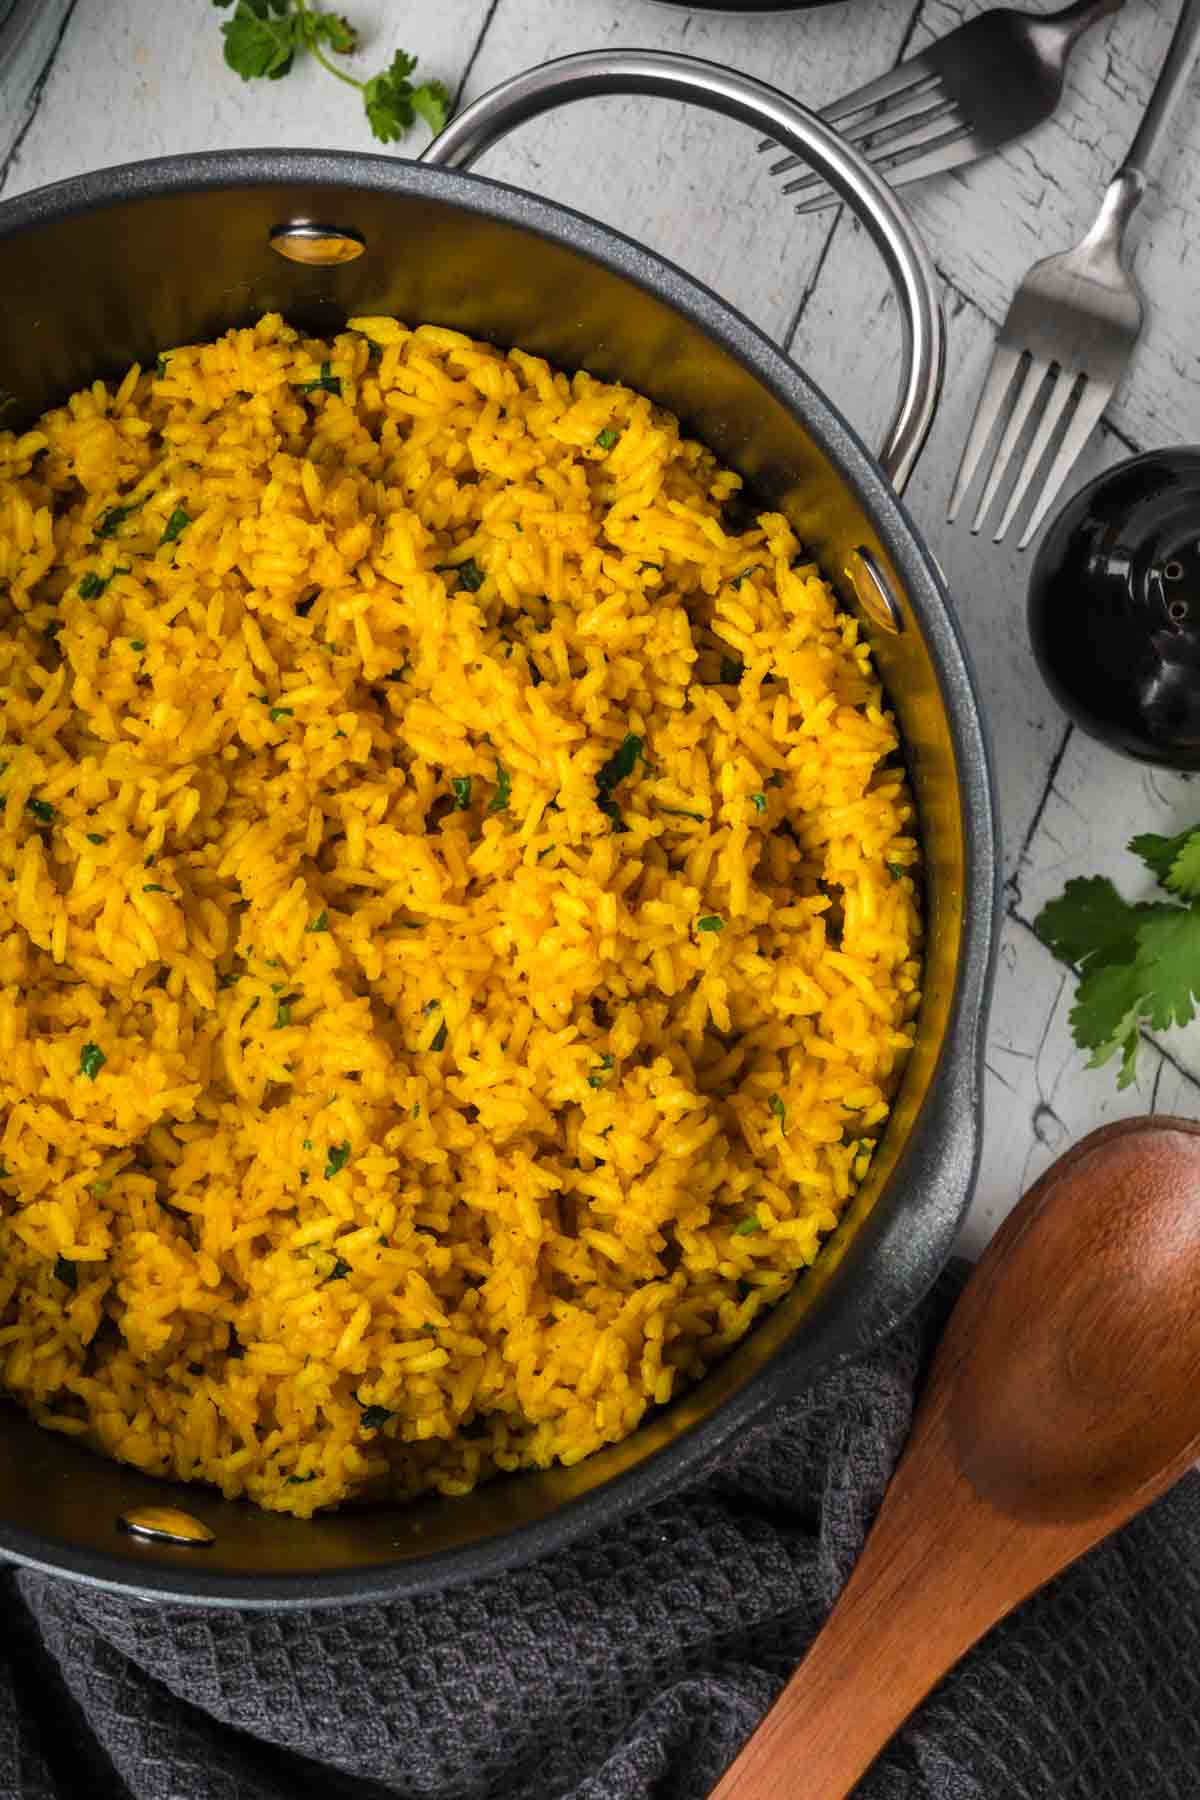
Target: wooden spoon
pixel 1064 1397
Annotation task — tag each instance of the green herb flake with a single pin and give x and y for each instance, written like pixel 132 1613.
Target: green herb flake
pixel 92 586
pixel 608 438
pixel 67 1273
pixel 339 1156
pixel 175 525
pixel 339 1271
pixel 325 383
pixel 300 1480
pixel 461 787
pixel 374 1417
pixel 747 1226
pixel 283 1014
pixel 320 923
pixel 280 712
pixel 710 922
pixel 596 1079
pixel 160 366
pixel 500 798
pixel 620 765
pixel 42 810
pixel 113 517
pixel 439 1042
pixel 745 575
pixel 759 802
pixel 307 1144
pixel 895 870
pixel 416 1111
pixel 138 644
pixel 778 1110
pixel 152 887
pixel 91 1060
pixel 470 575
pixel 99 1190
pixel 681 812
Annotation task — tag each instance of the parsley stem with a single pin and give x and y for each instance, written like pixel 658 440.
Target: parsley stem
pixel 311 43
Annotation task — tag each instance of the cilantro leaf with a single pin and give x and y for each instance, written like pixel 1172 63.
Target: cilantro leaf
pixel 388 101
pixel 1168 958
pixel 332 29
pixel 1090 920
pixel 431 102
pixel 1184 877
pixel 1159 853
pixel 1139 964
pixel 264 37
pixel 262 40
pixel 1106 1014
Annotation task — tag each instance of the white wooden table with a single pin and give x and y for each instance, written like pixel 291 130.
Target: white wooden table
pixel 136 78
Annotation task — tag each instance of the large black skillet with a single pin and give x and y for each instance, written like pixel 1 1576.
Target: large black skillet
pixel 111 266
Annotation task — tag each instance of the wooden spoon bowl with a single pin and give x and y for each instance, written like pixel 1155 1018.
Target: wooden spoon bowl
pixel 1085 1385
pixel 1064 1397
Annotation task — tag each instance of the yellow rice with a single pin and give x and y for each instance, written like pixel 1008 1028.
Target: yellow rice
pixel 457 943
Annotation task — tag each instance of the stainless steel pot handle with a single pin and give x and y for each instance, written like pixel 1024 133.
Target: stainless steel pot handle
pixel 772 114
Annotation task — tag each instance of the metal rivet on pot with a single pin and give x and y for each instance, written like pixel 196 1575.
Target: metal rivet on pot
pixel 322 246
pixel 874 595
pixel 166 1525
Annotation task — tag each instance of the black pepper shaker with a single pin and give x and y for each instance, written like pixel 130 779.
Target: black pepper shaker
pixel 1114 608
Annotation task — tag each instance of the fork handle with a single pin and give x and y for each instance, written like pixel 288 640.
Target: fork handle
pixel 1073 21
pixel 1172 80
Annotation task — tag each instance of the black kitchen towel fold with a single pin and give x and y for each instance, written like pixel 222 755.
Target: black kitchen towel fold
pixel 629 1668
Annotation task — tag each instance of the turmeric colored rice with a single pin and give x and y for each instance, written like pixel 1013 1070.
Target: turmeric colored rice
pixel 458 938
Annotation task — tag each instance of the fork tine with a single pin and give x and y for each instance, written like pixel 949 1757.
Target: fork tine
pixel 1057 400
pixel 913 164
pixel 1005 362
pixel 1028 390
pixel 912 100
pixel 896 81
pixel 878 134
pixel 1087 415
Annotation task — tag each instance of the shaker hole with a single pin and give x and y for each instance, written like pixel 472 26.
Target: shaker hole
pixel 1174 571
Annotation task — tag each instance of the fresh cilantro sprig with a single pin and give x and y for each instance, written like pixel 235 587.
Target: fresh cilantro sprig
pixel 1139 965
pixel 264 37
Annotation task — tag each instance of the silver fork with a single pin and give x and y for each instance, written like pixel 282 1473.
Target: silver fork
pixel 1072 326
pixel 980 86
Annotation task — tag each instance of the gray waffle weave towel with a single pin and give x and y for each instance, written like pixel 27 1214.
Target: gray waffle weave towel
pixel 630 1668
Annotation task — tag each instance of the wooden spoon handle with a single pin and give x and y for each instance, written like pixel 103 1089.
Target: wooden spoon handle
pixel 936 1572
pixel 942 1564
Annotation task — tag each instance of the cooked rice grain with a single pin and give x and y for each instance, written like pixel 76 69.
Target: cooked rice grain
pixel 457 943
